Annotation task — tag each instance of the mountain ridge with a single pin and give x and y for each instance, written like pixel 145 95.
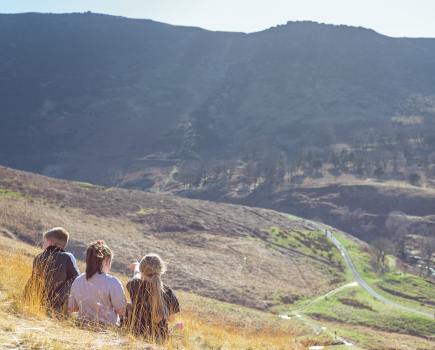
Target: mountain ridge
pixel 178 110
pixel 277 26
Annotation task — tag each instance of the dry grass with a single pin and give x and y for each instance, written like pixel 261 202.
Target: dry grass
pixel 208 324
pixel 215 250
pixel 347 179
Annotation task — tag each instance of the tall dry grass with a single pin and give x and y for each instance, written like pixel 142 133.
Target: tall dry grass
pixel 15 273
pixel 199 332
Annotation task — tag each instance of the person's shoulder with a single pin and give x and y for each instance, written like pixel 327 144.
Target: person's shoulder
pixel 112 279
pixel 80 279
pixel 67 255
pixel 167 289
pixel 134 283
pixel 71 258
pixel 171 300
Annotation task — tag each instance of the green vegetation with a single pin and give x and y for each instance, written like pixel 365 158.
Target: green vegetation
pixel 145 211
pixel 356 306
pixel 396 285
pixel 293 218
pixel 4 193
pixel 409 289
pixel 370 339
pixel 89 186
pixel 313 243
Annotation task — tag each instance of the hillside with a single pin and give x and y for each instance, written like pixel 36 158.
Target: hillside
pixel 243 118
pixel 215 250
pixel 120 95
pixel 208 323
pixel 369 209
pixel 130 99
pixel 231 253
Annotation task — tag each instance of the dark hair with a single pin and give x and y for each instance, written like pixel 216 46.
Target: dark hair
pixel 58 235
pixel 95 255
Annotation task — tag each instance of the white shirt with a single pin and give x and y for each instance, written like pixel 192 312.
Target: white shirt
pixel 98 298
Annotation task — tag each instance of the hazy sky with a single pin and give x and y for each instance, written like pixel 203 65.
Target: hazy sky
pixel 415 18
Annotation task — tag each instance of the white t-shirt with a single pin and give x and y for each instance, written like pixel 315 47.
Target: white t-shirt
pixel 98 298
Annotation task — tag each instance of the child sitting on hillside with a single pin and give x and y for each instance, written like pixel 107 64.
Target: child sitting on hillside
pixel 53 273
pixel 152 302
pixel 97 296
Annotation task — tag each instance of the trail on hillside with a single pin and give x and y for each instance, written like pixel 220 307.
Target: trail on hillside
pixel 358 278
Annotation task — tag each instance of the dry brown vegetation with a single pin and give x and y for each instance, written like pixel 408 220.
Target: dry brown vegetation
pixel 223 251
pixel 208 324
pixel 217 250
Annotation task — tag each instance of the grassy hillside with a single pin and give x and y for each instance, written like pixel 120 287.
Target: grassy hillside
pixel 231 253
pixel 394 283
pixel 241 255
pixel 258 119
pixel 209 324
pixel 353 314
pixel 366 208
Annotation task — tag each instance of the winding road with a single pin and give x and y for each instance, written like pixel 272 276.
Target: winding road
pixel 347 259
pixel 358 280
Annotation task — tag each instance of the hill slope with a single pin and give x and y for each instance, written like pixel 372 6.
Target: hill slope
pixel 242 118
pixel 250 256
pixel 208 323
pixel 129 99
pixel 347 311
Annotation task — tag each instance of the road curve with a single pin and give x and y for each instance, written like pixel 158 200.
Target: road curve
pixel 360 280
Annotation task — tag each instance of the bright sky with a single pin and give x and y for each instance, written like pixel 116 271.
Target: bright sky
pixel 413 18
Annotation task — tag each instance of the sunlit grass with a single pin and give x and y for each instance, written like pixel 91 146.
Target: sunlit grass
pixel 212 326
pixel 5 193
pixel 355 306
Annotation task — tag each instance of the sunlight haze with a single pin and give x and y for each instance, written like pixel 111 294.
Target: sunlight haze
pixel 390 17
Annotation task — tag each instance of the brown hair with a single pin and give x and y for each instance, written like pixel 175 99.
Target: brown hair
pixel 58 235
pixel 153 267
pixel 95 255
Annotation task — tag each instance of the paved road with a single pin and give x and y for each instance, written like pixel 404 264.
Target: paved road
pixel 361 281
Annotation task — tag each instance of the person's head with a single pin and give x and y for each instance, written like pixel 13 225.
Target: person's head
pixel 151 265
pixel 98 258
pixel 57 237
pixel 151 268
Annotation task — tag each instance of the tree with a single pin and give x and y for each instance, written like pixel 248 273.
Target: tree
pixel 398 224
pixel 427 251
pixel 379 171
pixel 380 248
pixel 414 179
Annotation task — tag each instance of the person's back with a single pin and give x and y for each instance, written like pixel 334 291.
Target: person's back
pixel 152 303
pixel 53 273
pixel 140 317
pixel 97 296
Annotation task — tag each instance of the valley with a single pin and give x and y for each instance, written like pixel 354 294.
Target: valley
pixel 219 253
pixel 332 123
pixel 287 176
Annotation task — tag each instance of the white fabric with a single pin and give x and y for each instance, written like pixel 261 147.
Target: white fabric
pixel 98 298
